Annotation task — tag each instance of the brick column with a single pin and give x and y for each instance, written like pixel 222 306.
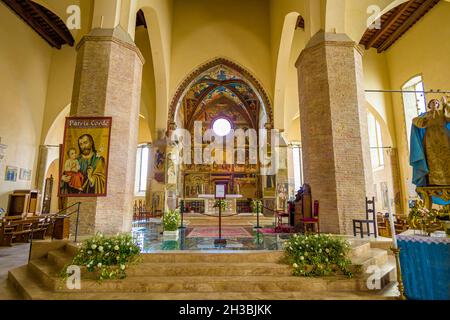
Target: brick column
pixel 334 131
pixel 108 83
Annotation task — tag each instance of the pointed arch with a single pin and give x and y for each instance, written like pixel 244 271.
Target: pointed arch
pixel 284 55
pixel 190 81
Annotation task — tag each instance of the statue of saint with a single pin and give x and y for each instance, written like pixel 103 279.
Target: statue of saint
pixel 430 145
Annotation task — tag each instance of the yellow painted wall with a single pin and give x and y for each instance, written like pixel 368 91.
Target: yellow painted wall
pixel 148 91
pixel 24 69
pixel 62 68
pixel 234 29
pixel 424 49
pixel 376 77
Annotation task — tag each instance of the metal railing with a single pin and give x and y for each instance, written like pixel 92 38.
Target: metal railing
pixel 53 217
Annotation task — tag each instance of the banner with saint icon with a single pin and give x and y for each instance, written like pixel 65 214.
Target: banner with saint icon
pixel 84 157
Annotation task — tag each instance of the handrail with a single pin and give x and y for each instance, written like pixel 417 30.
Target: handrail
pixel 56 215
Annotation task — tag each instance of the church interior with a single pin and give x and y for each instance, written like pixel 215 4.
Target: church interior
pixel 213 135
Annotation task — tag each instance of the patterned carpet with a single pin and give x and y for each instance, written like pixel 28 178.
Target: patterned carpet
pixel 213 232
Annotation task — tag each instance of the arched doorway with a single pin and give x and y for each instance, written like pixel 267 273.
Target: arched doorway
pixel 213 106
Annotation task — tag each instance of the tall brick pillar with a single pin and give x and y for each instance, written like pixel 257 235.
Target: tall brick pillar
pixel 108 83
pixel 334 131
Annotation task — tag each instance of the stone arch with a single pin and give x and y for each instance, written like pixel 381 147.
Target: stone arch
pixel 386 134
pixel 391 170
pixel 284 54
pixel 160 56
pixel 55 133
pixel 189 80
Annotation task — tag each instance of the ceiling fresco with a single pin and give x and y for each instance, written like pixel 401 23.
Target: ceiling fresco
pixel 215 84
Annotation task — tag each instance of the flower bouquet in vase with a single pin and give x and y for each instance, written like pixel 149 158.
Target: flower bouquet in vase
pixel 171 221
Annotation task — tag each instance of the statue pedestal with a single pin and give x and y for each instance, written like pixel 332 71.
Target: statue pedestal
pixel 427 194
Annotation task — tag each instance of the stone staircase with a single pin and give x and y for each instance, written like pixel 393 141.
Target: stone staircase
pixel 237 275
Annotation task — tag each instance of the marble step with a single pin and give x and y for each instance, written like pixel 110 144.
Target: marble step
pixel 360 255
pixel 28 288
pixel 213 256
pixel 373 257
pixel 60 259
pixel 47 274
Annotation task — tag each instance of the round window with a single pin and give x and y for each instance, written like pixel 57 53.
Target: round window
pixel 222 127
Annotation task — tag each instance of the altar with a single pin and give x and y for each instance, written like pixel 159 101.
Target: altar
pixel 425 266
pixel 205 203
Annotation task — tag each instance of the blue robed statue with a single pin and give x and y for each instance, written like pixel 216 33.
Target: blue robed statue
pixel 430 147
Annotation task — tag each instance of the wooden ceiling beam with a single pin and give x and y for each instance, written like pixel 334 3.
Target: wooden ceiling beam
pixel 61 33
pixel 14 5
pixel 392 19
pixel 418 13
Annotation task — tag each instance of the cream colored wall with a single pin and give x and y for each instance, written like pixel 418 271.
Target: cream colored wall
pixel 234 29
pixel 425 50
pixel 62 68
pixel 148 92
pixel 24 69
pixel 376 77
pixel 159 17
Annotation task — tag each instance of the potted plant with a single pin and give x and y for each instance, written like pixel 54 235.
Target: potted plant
pixel 257 206
pixel 171 221
pixel 222 204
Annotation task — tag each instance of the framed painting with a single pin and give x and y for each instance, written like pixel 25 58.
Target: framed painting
pixel 11 174
pixel 25 174
pixel 85 157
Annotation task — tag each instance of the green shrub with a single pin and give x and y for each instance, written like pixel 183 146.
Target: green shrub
pixel 171 220
pixel 318 255
pixel 257 206
pixel 108 256
pixel 222 204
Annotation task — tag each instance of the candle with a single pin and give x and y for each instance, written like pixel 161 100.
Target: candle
pixel 391 222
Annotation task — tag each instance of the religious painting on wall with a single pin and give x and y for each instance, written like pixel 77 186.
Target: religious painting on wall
pixel 11 174
pixel 85 157
pixel 282 196
pixel 25 174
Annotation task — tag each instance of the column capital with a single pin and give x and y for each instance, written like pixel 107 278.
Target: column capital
pixel 324 39
pixel 116 35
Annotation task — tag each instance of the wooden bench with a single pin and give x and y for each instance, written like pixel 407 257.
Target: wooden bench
pixel 6 236
pixel 20 231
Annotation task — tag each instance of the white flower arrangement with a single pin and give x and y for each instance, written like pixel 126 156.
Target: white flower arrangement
pixel 110 257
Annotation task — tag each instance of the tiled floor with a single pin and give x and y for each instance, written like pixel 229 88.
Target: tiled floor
pixel 10 258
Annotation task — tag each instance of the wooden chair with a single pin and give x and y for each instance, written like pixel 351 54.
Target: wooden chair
pixel 313 221
pixel 358 225
pixel 280 226
pixel 6 236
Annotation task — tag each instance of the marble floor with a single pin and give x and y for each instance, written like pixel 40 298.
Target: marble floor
pixel 148 235
pixel 10 258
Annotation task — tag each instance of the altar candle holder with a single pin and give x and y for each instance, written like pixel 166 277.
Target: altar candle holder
pixel 396 251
